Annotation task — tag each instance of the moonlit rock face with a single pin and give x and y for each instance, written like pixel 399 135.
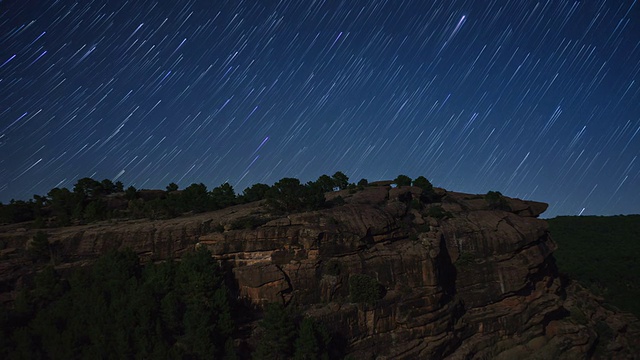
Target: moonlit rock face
pixel 536 100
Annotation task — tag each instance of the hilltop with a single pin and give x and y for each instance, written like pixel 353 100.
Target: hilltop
pixel 403 271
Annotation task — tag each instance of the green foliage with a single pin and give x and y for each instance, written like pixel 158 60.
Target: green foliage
pixel 364 289
pixel 195 198
pixel 279 333
pixel 340 180
pixel 363 182
pixel 282 339
pixel 601 253
pixel 289 195
pixel 222 196
pixel 428 193
pixel 120 309
pixel 402 180
pixel 131 193
pixel 90 201
pixel 325 183
pixel 255 193
pixel 16 211
pixel 496 201
pixel 312 342
pixel 95 210
pixel 88 188
pixel 423 183
pixel 438 212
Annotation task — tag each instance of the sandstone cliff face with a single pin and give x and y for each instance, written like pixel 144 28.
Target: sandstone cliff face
pixel 472 282
pixel 463 277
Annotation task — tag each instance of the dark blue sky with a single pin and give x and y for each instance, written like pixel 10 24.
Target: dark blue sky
pixel 536 99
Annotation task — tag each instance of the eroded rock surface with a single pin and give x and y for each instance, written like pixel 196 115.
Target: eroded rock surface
pixel 462 277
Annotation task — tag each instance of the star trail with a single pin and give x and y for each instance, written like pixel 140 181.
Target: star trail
pixel 535 99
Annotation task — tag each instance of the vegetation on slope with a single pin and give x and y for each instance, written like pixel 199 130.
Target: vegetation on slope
pixel 120 309
pixel 92 200
pixel 601 253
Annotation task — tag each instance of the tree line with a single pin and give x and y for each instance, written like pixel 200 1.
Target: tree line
pixel 92 200
pixel 118 308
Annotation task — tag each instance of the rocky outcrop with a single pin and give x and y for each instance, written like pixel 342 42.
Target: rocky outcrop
pixel 462 276
pixel 462 279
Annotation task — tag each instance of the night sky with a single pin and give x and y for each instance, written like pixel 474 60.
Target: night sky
pixel 535 99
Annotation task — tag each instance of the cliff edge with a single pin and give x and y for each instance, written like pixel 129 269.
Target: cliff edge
pixel 454 275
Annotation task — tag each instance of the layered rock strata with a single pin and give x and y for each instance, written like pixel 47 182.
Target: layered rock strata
pixel 461 276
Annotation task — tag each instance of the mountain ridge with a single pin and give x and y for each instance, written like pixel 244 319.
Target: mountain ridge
pixel 460 275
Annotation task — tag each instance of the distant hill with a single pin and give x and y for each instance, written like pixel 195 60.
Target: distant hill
pixel 602 253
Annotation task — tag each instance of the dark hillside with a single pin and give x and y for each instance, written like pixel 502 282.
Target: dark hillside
pixel 601 252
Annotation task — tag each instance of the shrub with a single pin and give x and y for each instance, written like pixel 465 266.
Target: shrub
pixel 438 212
pixel 423 183
pixel 340 180
pixel 496 201
pixel 402 180
pixel 364 289
pixel 289 195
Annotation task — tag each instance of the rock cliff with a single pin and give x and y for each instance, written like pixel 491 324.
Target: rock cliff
pixel 461 276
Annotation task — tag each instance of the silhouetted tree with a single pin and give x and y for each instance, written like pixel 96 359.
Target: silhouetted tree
pixel 340 180
pixel 289 195
pixel 279 332
pixel 223 196
pixel 195 198
pixel 312 342
pixel 423 183
pixel 428 194
pixel 88 188
pixel 325 183
pixel 108 187
pixel 255 192
pixel 131 193
pixel 119 186
pixel 172 187
pixel 402 180
pixel 95 210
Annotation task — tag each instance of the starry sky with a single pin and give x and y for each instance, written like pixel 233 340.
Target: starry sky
pixel 535 99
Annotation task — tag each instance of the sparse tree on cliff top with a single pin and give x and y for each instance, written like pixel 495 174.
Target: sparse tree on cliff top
pixel 340 180
pixel 402 180
pixel 423 183
pixel 325 183
pixel 255 192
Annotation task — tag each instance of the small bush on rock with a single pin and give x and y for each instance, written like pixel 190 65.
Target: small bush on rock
pixel 364 289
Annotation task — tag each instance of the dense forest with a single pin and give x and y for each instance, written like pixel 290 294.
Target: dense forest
pixel 601 252
pixel 117 307
pixel 121 309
